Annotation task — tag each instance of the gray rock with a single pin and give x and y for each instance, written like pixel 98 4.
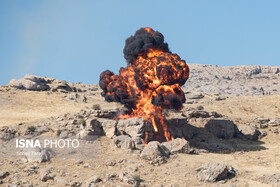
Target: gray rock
pixel 270 179
pixel 104 113
pixel 139 143
pixel 263 120
pixel 222 128
pixel 263 133
pixel 214 171
pixel 155 153
pixel 274 122
pixel 30 82
pixel 215 114
pixel 174 185
pixel 93 180
pixel 4 174
pixel 262 126
pixel 59 85
pixel 109 128
pixel 34 78
pixel 41 128
pixel 110 163
pixel 95 125
pixel 7 133
pixel 178 145
pixel 221 98
pixel 46 175
pixel 110 176
pixel 86 165
pixel 15 83
pixel 129 179
pixel 92 129
pixel 37 155
pixel 84 98
pixel 124 142
pixel 74 184
pixel 179 127
pixel 64 134
pixel 134 127
pixel 197 114
pixel 195 96
pixel 86 134
pixel 251 133
pixel 132 169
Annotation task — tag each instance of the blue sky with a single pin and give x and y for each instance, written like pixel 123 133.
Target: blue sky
pixel 77 40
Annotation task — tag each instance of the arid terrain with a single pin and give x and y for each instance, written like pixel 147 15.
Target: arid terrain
pixel 247 97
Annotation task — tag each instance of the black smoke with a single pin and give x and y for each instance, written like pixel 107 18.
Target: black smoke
pixel 141 42
pixel 126 87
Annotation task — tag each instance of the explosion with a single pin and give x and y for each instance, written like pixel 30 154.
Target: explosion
pixel 150 82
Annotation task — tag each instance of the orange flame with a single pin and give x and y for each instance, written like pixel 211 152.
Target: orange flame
pixel 160 74
pixel 144 107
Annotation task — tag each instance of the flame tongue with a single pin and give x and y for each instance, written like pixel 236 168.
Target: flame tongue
pixel 150 82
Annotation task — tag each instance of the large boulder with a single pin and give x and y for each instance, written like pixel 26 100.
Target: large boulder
pixel 109 128
pixel 95 125
pixel 92 129
pixel 60 85
pixel 36 155
pixel 35 83
pixel 135 127
pixel 250 133
pixel 124 142
pixel 155 153
pixel 180 128
pixel 214 171
pixel 222 128
pixel 30 82
pixel 139 143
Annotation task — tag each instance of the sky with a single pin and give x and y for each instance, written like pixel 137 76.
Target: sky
pixel 76 40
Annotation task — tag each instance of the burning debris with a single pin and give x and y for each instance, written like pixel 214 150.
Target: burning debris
pixel 150 83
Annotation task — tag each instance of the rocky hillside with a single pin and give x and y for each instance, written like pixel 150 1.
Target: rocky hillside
pixel 218 140
pixel 236 80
